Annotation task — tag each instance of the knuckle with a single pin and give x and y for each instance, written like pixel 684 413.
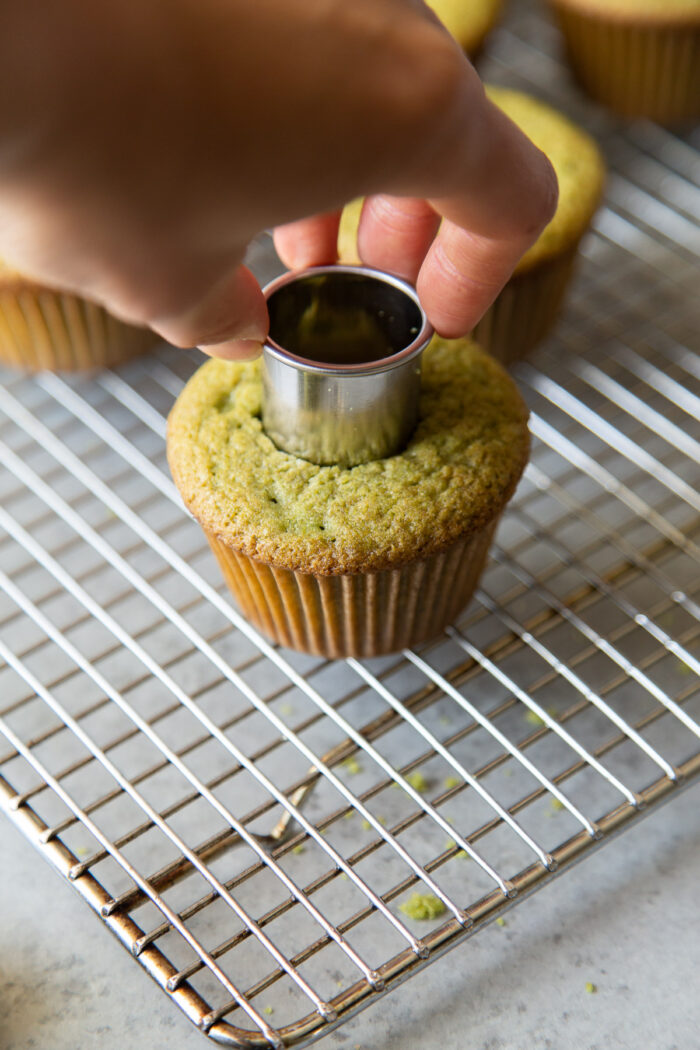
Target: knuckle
pixel 541 204
pixel 436 91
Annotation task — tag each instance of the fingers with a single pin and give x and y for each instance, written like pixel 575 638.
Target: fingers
pixel 496 194
pixel 395 234
pixel 308 242
pixel 460 277
pixel 231 321
pixel 462 247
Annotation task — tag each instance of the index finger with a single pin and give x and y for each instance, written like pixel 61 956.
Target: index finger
pixel 503 193
pixel 511 195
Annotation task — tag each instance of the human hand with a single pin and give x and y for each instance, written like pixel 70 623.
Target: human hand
pixel 146 144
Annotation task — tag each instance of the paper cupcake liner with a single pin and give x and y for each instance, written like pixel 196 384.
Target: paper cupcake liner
pixel 45 330
pixel 638 70
pixel 355 614
pixel 526 309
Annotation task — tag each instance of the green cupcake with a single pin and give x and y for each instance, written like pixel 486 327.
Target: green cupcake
pixel 362 560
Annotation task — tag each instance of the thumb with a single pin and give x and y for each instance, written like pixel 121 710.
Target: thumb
pixel 230 321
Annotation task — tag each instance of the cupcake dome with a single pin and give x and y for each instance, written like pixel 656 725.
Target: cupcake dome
pixel 469 21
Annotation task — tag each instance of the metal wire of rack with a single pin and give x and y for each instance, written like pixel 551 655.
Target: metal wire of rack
pixel 231 809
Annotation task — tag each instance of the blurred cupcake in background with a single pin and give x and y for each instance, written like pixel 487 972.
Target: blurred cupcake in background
pixel 46 330
pixel 527 308
pixel 639 57
pixel 469 21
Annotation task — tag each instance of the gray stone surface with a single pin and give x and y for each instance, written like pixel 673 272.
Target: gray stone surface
pixel 627 919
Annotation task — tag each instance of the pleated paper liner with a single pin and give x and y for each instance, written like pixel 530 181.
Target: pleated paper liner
pixel 356 614
pixel 46 330
pixel 638 70
pixel 526 309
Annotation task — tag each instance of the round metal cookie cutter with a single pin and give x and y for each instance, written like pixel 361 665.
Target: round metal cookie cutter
pixel 341 366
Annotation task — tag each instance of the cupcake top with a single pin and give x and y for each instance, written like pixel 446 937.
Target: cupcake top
pixel 467 20
pixel 575 157
pixel 639 11
pixel 456 474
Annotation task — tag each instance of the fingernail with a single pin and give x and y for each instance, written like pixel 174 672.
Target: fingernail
pixel 235 349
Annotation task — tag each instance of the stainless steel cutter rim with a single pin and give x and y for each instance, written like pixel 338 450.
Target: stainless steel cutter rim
pixel 384 364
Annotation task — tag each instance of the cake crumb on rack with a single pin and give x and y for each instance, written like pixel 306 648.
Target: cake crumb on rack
pixel 422 906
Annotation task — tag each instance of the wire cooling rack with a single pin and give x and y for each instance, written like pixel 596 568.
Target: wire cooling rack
pixel 249 822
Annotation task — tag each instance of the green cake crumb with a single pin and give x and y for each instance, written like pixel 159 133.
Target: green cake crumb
pixel 286 709
pixel 352 765
pixel 591 988
pixel 422 906
pixel 417 781
pixel 533 718
pixel 683 668
pixel 366 826
pixel 299 848
pixel 349 815
pixel 451 782
pixel 556 804
pixel 268 1010
pixel 500 921
pixel 451 844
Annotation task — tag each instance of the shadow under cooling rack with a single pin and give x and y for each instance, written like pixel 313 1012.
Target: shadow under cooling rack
pixel 279 839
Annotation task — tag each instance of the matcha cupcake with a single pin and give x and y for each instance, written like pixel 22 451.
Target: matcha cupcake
pixel 469 21
pixel 362 560
pixel 639 57
pixel 528 306
pixel 42 329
